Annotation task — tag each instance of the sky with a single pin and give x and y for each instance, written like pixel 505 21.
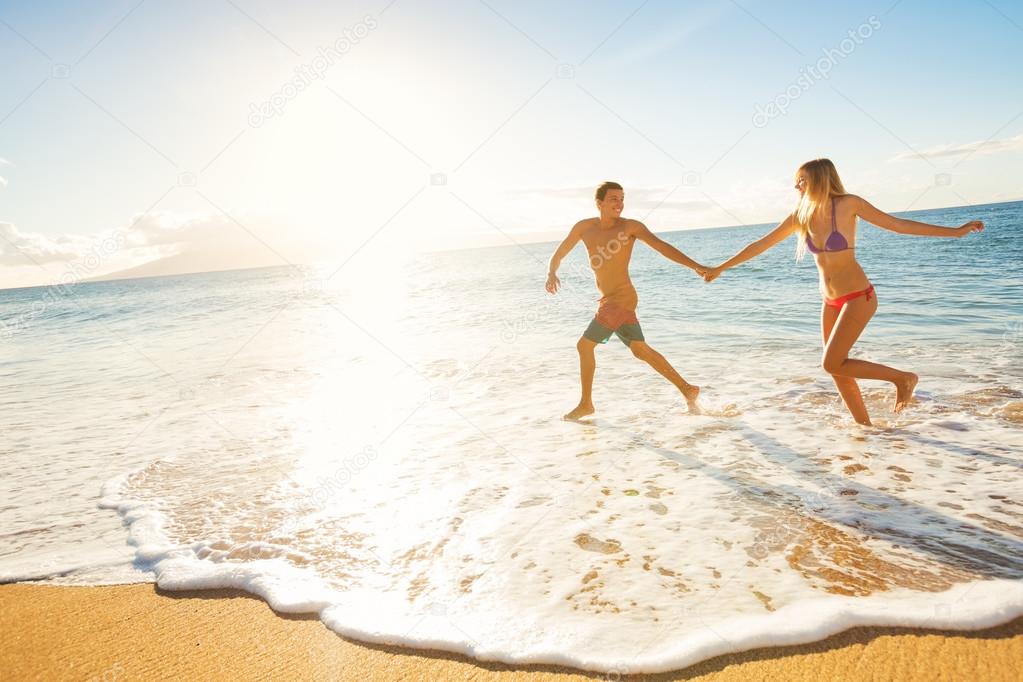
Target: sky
pixel 236 133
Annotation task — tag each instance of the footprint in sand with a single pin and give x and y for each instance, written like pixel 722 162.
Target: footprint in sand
pixel 591 544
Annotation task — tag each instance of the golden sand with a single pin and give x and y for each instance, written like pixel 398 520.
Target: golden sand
pixel 133 632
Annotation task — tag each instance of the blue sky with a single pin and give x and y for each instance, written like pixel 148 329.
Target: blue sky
pixel 468 122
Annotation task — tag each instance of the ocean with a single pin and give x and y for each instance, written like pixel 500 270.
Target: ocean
pixel 384 447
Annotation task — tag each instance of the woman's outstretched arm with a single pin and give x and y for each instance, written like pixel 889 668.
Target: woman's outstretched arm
pixel 874 216
pixel 754 249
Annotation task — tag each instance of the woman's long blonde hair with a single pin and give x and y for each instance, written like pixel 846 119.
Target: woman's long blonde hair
pixel 822 183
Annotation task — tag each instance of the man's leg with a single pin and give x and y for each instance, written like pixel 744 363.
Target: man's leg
pixel 648 355
pixel 587 368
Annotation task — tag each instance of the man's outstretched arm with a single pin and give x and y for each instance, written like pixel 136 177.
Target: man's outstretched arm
pixel 574 235
pixel 643 233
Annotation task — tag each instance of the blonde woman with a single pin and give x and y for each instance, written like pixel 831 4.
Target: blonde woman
pixel 825 225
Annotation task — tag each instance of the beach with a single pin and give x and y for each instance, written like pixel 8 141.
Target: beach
pixel 138 632
pixel 493 340
pixel 393 467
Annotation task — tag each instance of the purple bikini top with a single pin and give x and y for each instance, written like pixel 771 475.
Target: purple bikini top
pixel 835 240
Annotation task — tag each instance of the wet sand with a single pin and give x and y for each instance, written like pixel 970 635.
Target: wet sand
pixel 139 632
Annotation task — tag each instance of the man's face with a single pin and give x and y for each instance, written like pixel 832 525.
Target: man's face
pixel 613 203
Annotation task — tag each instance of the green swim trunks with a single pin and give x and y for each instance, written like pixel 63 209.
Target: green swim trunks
pixel 614 319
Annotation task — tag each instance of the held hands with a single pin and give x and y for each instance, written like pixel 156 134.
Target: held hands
pixel 708 273
pixel 967 228
pixel 712 274
pixel 553 283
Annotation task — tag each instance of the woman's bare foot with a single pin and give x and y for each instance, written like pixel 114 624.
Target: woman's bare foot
pixel 691 393
pixel 904 391
pixel 580 411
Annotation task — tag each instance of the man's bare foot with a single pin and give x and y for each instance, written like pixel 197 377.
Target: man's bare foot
pixel 904 391
pixel 579 412
pixel 691 393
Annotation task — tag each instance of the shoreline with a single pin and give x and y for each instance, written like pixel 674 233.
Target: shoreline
pixel 140 631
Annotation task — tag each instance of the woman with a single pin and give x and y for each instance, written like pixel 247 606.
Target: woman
pixel 825 224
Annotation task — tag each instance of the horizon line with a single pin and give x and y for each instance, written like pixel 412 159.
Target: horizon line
pixel 110 278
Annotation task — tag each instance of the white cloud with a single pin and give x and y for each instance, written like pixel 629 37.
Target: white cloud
pixel 983 147
pixel 257 238
pixel 214 241
pixel 3 181
pixel 20 248
pixel 156 230
pixel 638 198
pixel 664 198
pixel 161 228
pixel 696 204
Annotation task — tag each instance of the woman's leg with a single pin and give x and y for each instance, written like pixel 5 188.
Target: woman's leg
pixel 847 386
pixel 851 322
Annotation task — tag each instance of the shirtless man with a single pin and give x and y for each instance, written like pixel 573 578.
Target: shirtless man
pixel 609 240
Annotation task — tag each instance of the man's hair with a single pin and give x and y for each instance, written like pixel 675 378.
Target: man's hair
pixel 604 187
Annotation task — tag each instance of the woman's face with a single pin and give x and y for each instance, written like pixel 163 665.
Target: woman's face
pixel 801 184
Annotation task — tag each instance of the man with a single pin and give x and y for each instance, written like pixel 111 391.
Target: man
pixel 609 240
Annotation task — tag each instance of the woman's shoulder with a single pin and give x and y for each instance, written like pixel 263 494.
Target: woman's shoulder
pixel 851 200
